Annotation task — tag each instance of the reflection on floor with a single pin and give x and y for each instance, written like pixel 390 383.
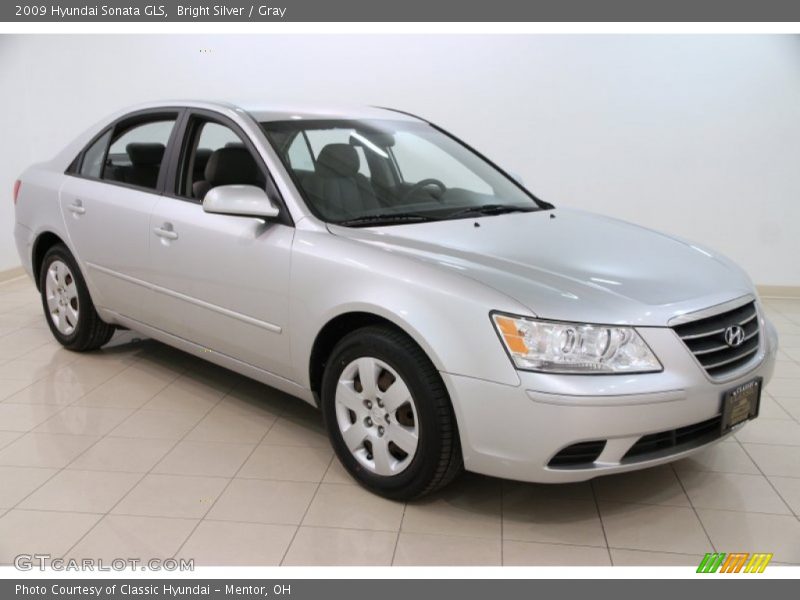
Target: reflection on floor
pixel 142 451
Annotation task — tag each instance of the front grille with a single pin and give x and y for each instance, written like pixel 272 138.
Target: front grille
pixel 664 443
pixel 582 454
pixel 706 340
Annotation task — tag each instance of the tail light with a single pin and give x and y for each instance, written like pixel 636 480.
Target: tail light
pixel 17 185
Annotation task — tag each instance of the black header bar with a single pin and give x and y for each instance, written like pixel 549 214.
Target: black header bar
pixel 402 11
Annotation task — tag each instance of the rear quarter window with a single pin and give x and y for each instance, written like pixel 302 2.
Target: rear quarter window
pixel 92 164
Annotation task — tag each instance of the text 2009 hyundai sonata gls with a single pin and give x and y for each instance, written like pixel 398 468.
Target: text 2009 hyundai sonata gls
pixel 374 265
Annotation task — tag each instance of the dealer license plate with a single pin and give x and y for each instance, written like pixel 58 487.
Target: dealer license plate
pixel 740 404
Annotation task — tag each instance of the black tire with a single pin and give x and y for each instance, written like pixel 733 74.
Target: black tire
pixel 90 332
pixel 438 458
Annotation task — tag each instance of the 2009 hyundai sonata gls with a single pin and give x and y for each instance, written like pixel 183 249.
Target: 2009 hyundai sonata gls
pixel 372 264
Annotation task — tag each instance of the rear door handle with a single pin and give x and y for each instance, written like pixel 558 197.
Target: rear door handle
pixel 77 207
pixel 166 232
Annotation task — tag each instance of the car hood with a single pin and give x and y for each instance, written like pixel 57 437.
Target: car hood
pixel 571 265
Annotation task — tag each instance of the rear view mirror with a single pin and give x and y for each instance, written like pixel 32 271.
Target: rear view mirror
pixel 240 200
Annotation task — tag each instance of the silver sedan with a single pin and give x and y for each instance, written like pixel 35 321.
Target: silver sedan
pixel 370 263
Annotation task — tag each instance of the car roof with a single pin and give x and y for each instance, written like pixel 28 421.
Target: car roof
pixel 284 111
pixel 287 112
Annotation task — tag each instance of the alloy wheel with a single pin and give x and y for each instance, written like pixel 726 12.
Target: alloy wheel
pixel 62 297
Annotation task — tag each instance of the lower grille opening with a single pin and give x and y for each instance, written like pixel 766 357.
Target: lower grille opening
pixel 673 441
pixel 582 454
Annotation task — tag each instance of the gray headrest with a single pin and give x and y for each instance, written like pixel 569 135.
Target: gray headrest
pixel 338 159
pixel 145 154
pixel 231 166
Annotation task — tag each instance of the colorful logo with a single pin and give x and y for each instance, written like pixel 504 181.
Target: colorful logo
pixel 735 562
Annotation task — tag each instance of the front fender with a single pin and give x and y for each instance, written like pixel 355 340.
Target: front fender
pixel 446 313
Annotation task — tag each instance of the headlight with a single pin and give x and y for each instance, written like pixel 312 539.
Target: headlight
pixel 558 347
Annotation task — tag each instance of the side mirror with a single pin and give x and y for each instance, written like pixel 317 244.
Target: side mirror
pixel 240 201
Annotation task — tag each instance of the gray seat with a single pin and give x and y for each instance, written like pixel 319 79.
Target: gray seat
pixel 336 186
pixel 201 157
pixel 228 166
pixel 145 164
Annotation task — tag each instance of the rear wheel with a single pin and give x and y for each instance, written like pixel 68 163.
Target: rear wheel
pixel 67 305
pixel 388 414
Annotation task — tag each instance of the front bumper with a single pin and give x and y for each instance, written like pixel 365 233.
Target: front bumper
pixel 514 431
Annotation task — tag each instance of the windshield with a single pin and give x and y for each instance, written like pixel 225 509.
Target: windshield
pixel 375 172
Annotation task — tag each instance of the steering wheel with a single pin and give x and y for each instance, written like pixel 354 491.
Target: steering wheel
pixel 423 184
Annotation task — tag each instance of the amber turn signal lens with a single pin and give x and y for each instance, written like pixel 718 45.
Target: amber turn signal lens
pixel 513 339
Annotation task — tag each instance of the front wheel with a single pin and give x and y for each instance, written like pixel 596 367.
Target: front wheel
pixel 388 414
pixel 67 305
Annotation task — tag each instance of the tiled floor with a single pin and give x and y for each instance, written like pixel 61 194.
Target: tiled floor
pixel 141 451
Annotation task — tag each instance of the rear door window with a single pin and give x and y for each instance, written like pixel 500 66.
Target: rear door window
pixel 137 153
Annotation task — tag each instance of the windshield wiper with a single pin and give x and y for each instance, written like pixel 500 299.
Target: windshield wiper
pixel 489 209
pixel 385 219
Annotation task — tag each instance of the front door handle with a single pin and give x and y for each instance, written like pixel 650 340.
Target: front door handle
pixel 166 232
pixel 77 207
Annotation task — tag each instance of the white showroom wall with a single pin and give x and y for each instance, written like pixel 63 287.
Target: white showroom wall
pixel 697 136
